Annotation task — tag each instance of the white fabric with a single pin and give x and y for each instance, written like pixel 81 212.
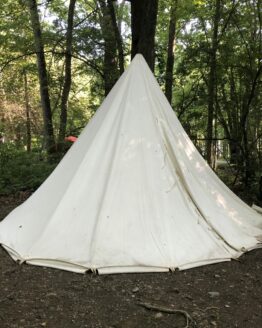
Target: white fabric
pixel 132 195
pixel 257 208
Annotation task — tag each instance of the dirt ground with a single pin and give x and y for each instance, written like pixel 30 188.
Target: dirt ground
pixel 224 295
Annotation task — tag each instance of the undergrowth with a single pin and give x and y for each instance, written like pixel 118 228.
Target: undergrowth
pixel 21 170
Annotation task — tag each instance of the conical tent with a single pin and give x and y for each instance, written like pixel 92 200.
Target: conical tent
pixel 131 195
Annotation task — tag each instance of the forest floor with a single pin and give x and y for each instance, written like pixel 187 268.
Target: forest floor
pixel 224 295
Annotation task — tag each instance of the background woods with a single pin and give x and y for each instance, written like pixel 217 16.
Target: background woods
pixel 59 59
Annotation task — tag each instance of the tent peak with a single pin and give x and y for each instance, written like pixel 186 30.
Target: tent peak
pixel 139 57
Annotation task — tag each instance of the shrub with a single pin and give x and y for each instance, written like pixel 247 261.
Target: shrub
pixel 20 170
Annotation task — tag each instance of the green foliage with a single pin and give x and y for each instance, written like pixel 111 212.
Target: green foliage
pixel 238 63
pixel 20 170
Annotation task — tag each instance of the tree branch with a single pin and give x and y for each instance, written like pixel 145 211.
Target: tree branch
pixel 81 58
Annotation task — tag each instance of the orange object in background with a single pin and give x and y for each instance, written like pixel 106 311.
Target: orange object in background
pixel 71 138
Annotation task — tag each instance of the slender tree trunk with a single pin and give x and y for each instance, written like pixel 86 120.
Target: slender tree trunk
pixel 27 112
pixel 67 77
pixel 49 140
pixel 260 189
pixel 111 73
pixel 247 101
pixel 235 151
pixel 143 25
pixel 215 144
pixel 212 81
pixel 120 14
pixel 246 155
pixel 170 51
pixel 118 36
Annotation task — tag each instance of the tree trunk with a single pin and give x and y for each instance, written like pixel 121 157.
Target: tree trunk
pixel 212 81
pixel 260 189
pixel 170 51
pixel 67 77
pixel 118 36
pixel 49 140
pixel 111 73
pixel 143 25
pixel 247 101
pixel 235 151
pixel 27 112
pixel 246 156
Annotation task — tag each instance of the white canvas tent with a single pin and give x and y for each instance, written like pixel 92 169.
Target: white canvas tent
pixel 132 195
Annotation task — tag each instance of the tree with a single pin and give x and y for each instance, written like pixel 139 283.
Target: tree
pixel 212 80
pixel 42 74
pixel 67 76
pixel 216 70
pixel 143 24
pixel 170 51
pixel 110 69
pixel 27 111
pixel 239 87
pixel 118 36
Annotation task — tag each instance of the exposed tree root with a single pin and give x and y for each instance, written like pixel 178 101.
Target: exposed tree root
pixel 165 309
